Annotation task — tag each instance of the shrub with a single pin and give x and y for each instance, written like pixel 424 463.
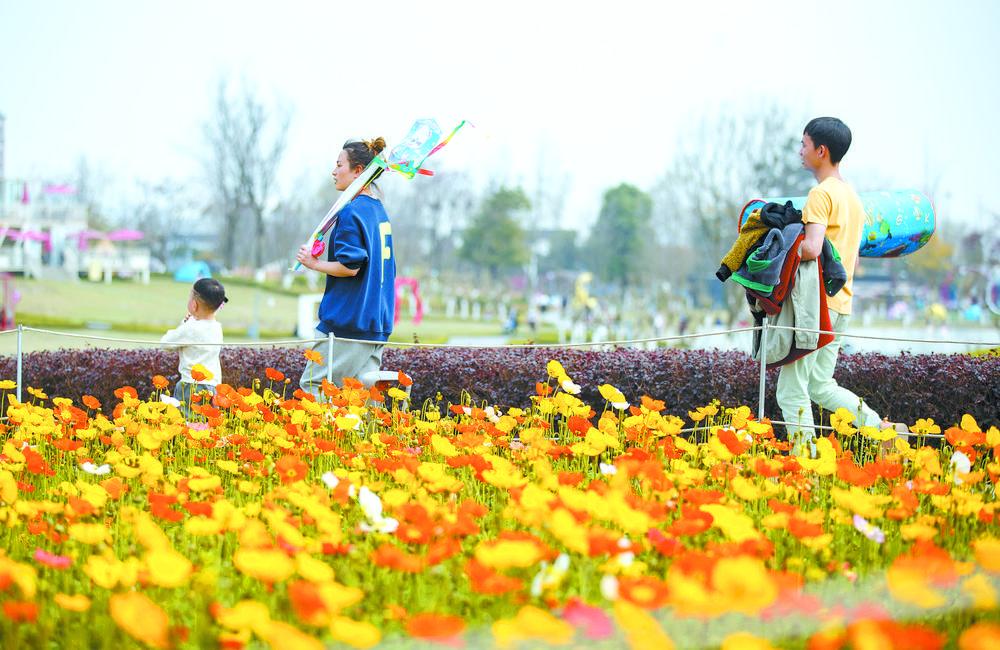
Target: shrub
pixel 903 387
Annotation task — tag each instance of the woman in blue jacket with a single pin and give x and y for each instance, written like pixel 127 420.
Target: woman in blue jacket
pixel 359 301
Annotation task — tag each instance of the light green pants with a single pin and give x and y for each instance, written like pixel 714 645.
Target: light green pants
pixel 810 379
pixel 350 359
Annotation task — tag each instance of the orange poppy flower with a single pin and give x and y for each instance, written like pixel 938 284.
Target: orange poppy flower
pixel 20 611
pixel 160 382
pixel 124 391
pixel 389 556
pixel 313 355
pixel 434 627
pixel 291 469
pixel 484 580
pixel 647 592
pixel 91 402
pixel 980 635
pixel 274 375
pixel 849 472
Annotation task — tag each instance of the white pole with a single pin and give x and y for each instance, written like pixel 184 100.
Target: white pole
pixel 763 368
pixel 20 330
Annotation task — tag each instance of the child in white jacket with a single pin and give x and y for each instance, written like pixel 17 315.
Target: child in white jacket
pixel 198 339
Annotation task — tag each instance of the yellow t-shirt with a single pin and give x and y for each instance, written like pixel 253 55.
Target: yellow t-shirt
pixel 835 204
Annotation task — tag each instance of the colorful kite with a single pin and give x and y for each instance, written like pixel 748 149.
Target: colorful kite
pixel 422 142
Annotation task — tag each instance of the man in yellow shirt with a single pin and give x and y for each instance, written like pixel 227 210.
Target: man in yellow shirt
pixel 832 210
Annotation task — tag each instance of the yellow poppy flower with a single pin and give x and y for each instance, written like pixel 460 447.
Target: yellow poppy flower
pixel 987 552
pixel 244 615
pixel 149 534
pixel 90 534
pixel 203 527
pixel 77 603
pixel 267 565
pixel 359 634
pixel 980 591
pixel 507 553
pixel 744 584
pixel 168 568
pixel 143 619
pixel 279 634
pixel 532 623
pixel 641 629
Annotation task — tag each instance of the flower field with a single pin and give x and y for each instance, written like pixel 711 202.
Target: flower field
pixel 270 520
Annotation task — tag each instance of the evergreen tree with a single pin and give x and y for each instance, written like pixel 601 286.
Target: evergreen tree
pixel 494 240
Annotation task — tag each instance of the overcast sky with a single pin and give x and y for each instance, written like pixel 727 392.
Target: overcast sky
pixel 602 87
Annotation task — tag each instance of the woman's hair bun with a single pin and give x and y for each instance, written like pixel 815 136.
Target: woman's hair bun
pixel 375 146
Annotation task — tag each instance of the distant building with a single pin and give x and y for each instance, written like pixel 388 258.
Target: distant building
pixel 44 232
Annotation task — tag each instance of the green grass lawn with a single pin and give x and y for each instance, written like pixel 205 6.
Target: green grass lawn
pixel 124 309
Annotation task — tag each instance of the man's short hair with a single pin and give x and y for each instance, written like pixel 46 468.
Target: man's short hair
pixel 831 133
pixel 210 292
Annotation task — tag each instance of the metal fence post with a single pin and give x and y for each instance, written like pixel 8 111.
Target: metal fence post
pixel 20 330
pixel 763 368
pixel 329 357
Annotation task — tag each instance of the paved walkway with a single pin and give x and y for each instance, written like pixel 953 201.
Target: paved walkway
pixel 479 341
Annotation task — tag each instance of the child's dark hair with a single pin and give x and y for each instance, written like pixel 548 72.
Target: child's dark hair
pixel 210 292
pixel 361 152
pixel 831 133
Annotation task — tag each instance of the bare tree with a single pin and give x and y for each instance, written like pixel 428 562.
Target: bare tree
pixel 722 161
pixel 248 140
pixel 162 206
pixel 428 216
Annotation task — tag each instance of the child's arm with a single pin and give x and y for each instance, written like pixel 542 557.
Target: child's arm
pixel 179 334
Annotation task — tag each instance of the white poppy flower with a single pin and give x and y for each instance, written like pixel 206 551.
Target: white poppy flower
pixel 570 387
pixel 609 587
pixel 168 399
pixel 960 464
pixel 382 525
pixel 99 470
pixel 370 504
pixel 607 469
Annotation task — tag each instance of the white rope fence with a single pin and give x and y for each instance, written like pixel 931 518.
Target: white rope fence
pixel 763 329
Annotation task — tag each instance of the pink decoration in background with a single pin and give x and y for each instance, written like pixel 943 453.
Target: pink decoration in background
pixel 59 189
pixel 415 286
pixel 125 234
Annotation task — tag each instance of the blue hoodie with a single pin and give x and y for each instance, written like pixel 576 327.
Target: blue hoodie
pixel 363 306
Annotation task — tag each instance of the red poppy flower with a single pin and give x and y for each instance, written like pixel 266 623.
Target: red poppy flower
pixel 91 402
pixel 274 375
